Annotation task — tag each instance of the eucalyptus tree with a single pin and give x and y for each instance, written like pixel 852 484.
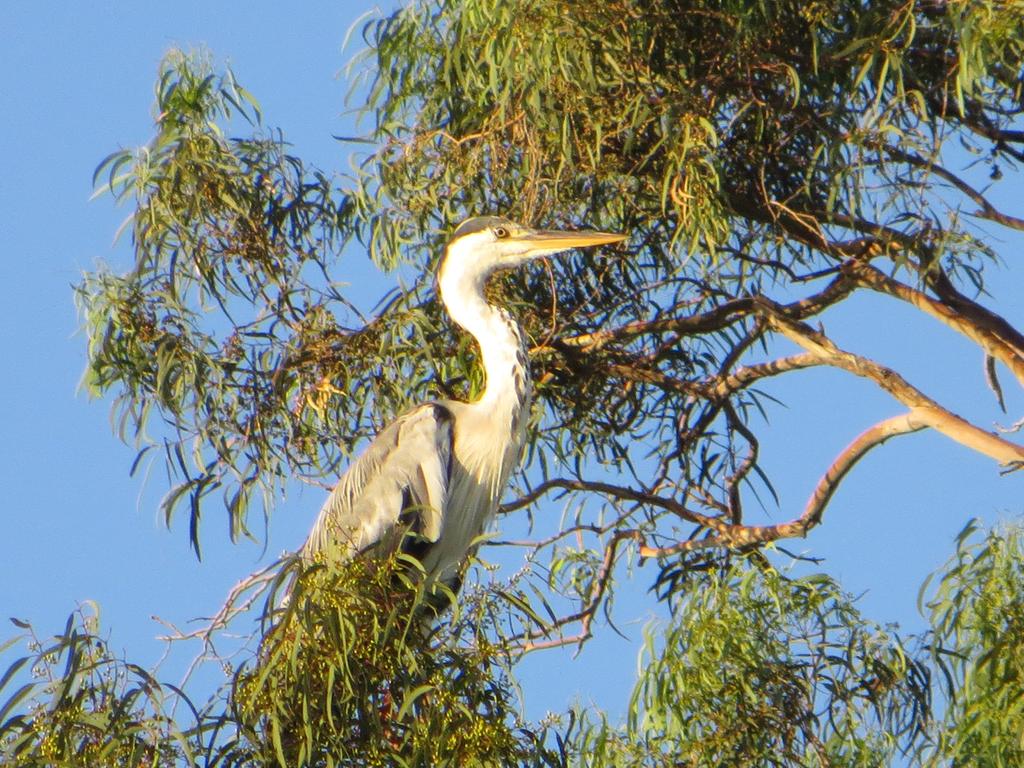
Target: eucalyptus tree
pixel 770 161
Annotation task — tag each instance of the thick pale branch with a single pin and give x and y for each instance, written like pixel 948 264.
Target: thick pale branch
pixel 923 407
pixel 994 345
pixel 854 452
pixel 982 316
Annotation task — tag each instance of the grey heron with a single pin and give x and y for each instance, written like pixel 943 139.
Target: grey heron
pixel 430 482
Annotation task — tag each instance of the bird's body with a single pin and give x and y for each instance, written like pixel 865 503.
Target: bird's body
pixel 431 481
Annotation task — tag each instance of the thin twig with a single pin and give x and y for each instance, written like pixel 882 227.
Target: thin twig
pixel 585 616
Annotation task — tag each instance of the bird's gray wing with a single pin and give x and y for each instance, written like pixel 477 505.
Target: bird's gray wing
pixel 398 484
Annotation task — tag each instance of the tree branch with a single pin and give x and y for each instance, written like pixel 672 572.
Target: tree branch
pixel 619 492
pixel 585 616
pixel 736 536
pixel 923 407
pixel 987 210
pixel 994 345
pixel 712 320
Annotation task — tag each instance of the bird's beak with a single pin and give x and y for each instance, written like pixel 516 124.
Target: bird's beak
pixel 552 240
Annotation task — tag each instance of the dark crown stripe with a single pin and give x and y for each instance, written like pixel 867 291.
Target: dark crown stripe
pixel 478 223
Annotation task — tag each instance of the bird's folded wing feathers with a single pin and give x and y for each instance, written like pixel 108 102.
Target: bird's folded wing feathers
pixel 400 482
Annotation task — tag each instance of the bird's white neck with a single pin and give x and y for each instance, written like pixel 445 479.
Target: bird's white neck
pixel 501 341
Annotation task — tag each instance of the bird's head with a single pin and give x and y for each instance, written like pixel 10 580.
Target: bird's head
pixel 484 245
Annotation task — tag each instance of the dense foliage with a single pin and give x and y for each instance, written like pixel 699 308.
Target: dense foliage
pixel 350 671
pixel 769 160
pixel 754 668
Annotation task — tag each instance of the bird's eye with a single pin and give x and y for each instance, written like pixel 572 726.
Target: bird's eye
pixel 500 232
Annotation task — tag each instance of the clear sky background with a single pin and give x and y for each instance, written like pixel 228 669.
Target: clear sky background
pixel 76 83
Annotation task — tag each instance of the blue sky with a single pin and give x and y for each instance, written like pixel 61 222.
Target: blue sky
pixel 77 84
